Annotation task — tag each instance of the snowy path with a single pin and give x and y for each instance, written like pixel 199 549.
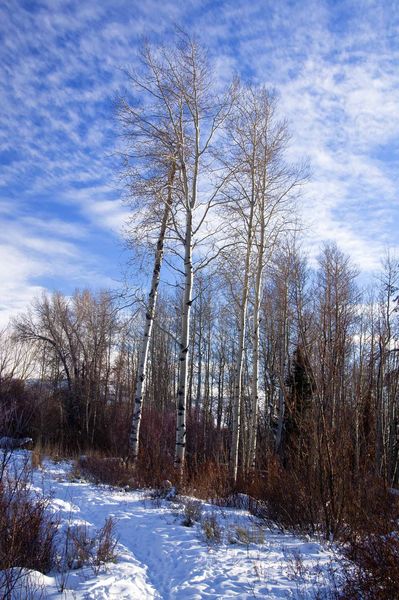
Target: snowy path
pixel 159 558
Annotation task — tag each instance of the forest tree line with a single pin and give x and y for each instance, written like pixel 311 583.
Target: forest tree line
pixel 328 366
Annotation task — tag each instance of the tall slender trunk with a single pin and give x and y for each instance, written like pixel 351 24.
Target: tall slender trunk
pixel 254 401
pixel 149 321
pixel 184 346
pixel 190 197
pixel 220 393
pixel 240 354
pixel 282 369
pixel 199 373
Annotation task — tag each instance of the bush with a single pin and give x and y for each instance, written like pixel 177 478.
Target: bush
pixel 307 500
pixel 166 491
pixel 208 480
pixel 246 535
pixel 286 499
pixel 372 566
pixel 103 469
pixel 357 511
pixel 83 548
pixel 192 512
pixel 157 437
pixel 78 547
pixel 106 542
pixel 27 532
pixel 211 530
pixel 36 457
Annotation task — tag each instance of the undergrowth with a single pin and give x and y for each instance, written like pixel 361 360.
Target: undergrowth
pixel 31 537
pixel 306 498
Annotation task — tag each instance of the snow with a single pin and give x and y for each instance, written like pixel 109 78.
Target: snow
pixel 159 558
pixel 10 442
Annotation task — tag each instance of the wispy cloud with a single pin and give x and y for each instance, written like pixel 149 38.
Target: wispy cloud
pixel 333 64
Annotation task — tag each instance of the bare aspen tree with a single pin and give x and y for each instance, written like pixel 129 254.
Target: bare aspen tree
pixel 17 359
pixel 150 170
pixel 242 192
pixel 335 310
pixel 181 130
pixel 282 316
pixel 261 196
pixel 149 320
pixel 276 182
pixel 203 114
pixel 242 326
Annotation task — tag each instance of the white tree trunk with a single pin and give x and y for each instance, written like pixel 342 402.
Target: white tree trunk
pixel 240 354
pixel 254 400
pixel 183 357
pixel 149 321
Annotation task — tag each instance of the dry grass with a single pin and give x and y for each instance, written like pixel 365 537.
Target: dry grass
pixel 192 512
pixel 211 530
pixel 105 469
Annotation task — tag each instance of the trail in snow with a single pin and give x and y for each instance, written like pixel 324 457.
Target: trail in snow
pixel 159 558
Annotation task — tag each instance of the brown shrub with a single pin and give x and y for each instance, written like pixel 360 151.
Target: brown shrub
pixel 157 438
pixel 27 532
pixel 105 469
pixel 192 512
pixel 211 530
pixel 358 511
pixel 372 567
pixel 82 547
pixel 106 542
pixel 209 480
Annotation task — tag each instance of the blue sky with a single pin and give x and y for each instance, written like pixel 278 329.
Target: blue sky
pixel 335 65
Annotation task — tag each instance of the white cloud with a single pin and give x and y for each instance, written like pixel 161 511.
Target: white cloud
pixel 334 66
pixel 17 289
pixel 30 253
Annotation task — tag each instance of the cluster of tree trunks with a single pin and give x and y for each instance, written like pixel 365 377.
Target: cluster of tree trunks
pixel 328 369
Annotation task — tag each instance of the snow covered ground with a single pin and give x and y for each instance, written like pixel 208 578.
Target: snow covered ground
pixel 160 558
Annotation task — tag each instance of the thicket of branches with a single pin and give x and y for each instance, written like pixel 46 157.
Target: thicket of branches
pixel 328 371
